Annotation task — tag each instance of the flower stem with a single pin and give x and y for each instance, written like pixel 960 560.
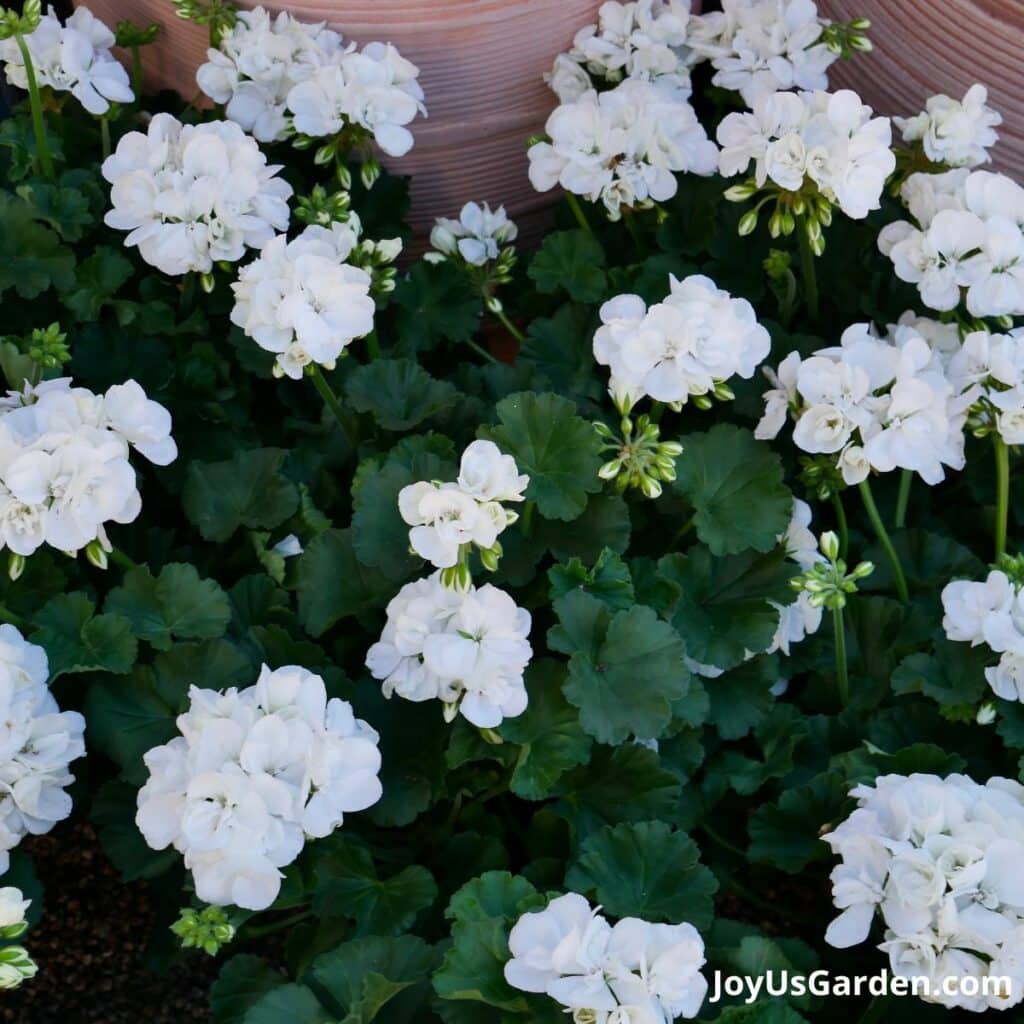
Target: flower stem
pixel 884 539
pixel 35 102
pixel 481 351
pixel 278 926
pixel 118 557
pixel 105 135
pixel 329 397
pixel 373 346
pixel 526 520
pixel 1002 493
pixel 842 677
pixel 6 615
pixel 577 212
pixel 906 479
pixel 810 275
pixel 188 294
pixel 841 525
pixel 510 327
pixel 137 71
pixel 682 532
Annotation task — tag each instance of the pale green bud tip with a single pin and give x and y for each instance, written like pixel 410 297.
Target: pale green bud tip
pixel 16 966
pixel 490 736
pixel 610 470
pixel 450 711
pixel 829 544
pixel 650 488
pixel 863 570
pixel 96 555
pixel 748 222
pixel 986 714
pixel 15 565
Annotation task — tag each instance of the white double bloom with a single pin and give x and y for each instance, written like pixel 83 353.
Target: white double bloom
pixel 254 773
pixel 957 133
pixel 478 235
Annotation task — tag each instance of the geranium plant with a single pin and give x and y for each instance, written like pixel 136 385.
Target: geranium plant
pixel 500 687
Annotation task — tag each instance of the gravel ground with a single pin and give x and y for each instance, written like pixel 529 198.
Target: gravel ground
pixel 90 944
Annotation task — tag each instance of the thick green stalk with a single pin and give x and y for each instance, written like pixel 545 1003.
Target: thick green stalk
pixel 329 397
pixel 510 327
pixel 842 676
pixel 884 540
pixel 906 479
pixel 36 103
pixel 105 135
pixel 6 615
pixel 373 346
pixel 810 275
pixel 841 525
pixel 1002 493
pixel 526 520
pixel 481 351
pixel 137 71
pixel 577 212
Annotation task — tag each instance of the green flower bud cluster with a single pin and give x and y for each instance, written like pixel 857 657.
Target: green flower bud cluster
pixel 323 208
pixel 208 929
pixel 1013 566
pixel 376 257
pixel 828 583
pixel 641 460
pixel 821 477
pixel 16 965
pixel 128 34
pixel 21 22
pixel 807 208
pixel 47 347
pixel 846 38
pixel 218 15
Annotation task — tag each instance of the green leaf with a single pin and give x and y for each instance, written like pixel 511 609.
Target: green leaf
pixel 954 675
pixel 398 392
pixel 572 261
pixel 723 608
pixel 608 580
pixel 548 733
pixel 734 483
pixel 66 210
pixel 347 885
pixel 177 604
pixel 76 640
pixel 645 870
pixel 625 669
pixel 559 450
pixel 245 490
pixel 363 975
pixel 493 894
pixel 292 1003
pixel 865 764
pixel 32 257
pixel 332 583
pixel 98 278
pixel 742 697
pixel 113 813
pixel 242 982
pixel 126 718
pixel 561 349
pixel 434 303
pixel 212 664
pixel 787 833
pixel 764 1011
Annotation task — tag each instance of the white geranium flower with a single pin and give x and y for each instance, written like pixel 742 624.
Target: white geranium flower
pixel 759 47
pixel 253 773
pixel 830 138
pixel 633 972
pixel 301 300
pixel 259 60
pixel 37 744
pixel 697 337
pixel 622 147
pixel 194 195
pixel 74 57
pixel 958 133
pixel 468 649
pixel 477 236
pixel 374 89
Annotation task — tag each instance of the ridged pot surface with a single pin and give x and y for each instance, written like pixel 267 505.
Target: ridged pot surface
pixel 923 47
pixel 481 63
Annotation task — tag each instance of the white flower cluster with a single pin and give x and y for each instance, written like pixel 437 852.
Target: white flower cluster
pixel 477 236
pixel 829 138
pixel 688 344
pixel 967 243
pixel 622 147
pixel 374 89
pixel 633 972
pixel 878 403
pixel 939 859
pixel 15 964
pixel 38 742
pixel 301 300
pixel 74 57
pixel 991 613
pixel 643 39
pixel 958 133
pixel 468 649
pixel 64 469
pixel 801 618
pixel 260 59
pixel 276 74
pixel 988 371
pixel 253 774
pixel 194 195
pixel 759 47
pixel 446 517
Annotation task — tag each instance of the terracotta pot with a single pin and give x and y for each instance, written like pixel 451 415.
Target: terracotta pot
pixel 481 63
pixel 923 47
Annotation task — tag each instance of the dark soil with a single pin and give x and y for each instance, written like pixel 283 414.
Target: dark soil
pixel 90 946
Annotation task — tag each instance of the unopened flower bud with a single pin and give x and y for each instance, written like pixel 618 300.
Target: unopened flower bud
pixel 96 555
pixel 649 487
pixel 829 544
pixel 986 713
pixel 15 565
pixel 610 470
pixel 748 222
pixel 208 929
